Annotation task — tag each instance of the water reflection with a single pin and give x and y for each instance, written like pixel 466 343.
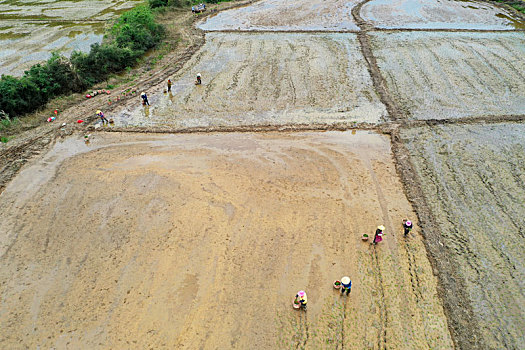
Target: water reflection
pixel 30 31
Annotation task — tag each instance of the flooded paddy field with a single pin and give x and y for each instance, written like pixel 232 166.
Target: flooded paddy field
pixel 30 31
pixel 453 75
pixel 304 15
pixel 201 241
pixel 436 14
pixel 266 79
pixel 473 179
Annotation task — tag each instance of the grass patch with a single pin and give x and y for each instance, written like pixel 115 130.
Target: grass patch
pixel 6 124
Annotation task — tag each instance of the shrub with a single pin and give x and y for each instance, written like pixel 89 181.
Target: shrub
pixel 157 3
pixel 179 3
pixel 137 30
pixel 55 77
pixel 18 95
pixel 133 33
pixel 37 86
pixel 101 61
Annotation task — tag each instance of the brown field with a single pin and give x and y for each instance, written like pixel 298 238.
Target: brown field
pixel 201 241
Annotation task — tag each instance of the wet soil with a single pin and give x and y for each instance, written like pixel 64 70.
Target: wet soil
pixel 286 209
pixel 191 240
pixel 472 177
pixel 453 75
pixel 246 81
pixel 286 15
pixel 436 14
pixel 30 31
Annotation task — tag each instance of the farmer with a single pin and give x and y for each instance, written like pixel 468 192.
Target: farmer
pixel 144 99
pixel 407 225
pixel 102 117
pixel 301 298
pixel 379 234
pixel 346 285
pixel 199 81
pixel 169 85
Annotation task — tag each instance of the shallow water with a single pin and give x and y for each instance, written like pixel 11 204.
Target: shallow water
pixel 473 180
pixel 266 79
pixel 30 31
pixel 438 14
pixel 307 15
pixel 453 75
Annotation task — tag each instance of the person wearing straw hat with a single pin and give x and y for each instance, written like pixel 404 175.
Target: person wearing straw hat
pixel 346 285
pixel 407 225
pixel 102 117
pixel 379 234
pixel 300 297
pixel 144 99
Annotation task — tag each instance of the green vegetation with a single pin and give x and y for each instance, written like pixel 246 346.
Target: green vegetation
pixel 516 4
pixel 5 124
pixel 519 7
pixel 169 3
pixel 129 38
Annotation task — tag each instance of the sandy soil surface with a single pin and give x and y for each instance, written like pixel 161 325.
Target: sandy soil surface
pixel 436 14
pixel 473 179
pixel 265 79
pixel 30 31
pixel 201 241
pixel 308 15
pixel 453 75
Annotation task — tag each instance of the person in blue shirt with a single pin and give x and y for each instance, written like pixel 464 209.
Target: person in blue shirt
pixel 346 285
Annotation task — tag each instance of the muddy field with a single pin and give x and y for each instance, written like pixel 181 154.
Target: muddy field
pixel 192 241
pixel 436 14
pixel 201 240
pixel 30 31
pixel 473 179
pixel 305 15
pixel 266 79
pixel 453 75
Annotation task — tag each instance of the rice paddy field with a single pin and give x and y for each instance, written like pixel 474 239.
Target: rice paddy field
pixel 30 31
pixel 193 221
